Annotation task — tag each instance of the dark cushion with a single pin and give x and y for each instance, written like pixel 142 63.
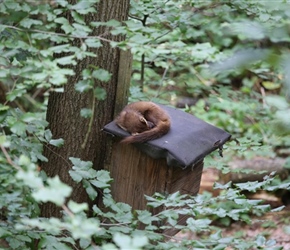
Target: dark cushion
pixel 188 141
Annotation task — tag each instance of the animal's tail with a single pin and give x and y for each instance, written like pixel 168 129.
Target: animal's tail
pixel 148 135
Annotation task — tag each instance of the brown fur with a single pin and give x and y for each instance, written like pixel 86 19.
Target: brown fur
pixel 145 121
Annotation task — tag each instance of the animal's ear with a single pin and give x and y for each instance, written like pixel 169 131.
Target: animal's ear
pixel 143 120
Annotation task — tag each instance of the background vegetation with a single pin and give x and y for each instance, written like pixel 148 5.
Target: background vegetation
pixel 225 62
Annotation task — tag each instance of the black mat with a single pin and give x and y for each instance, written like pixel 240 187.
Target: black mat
pixel 188 141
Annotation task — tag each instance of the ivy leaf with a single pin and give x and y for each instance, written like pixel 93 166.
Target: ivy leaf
pixel 78 18
pixel 76 207
pixel 146 217
pixel 86 113
pixel 55 192
pixel 4 72
pixel 18 128
pixel 103 179
pixel 84 85
pixel 57 142
pixel 11 96
pixel 90 190
pixel 75 176
pixel 85 243
pixel 261 240
pixel 126 242
pixel 278 209
pixel 104 176
pixel 249 30
pixel 66 27
pixel 99 184
pixel 66 60
pixel 28 22
pixel 197 225
pixel 30 179
pixel 47 135
pixel 93 43
pixel 81 30
pixel 79 164
pixel 221 186
pixel 102 75
pixel 100 93
pixel 81 170
pixel 113 23
pixel 84 7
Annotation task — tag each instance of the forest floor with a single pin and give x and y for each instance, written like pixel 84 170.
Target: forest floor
pixel 272 225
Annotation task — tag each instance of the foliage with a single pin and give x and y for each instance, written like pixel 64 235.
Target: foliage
pixel 117 221
pixel 231 58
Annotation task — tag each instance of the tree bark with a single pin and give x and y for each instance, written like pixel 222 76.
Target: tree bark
pixel 63 112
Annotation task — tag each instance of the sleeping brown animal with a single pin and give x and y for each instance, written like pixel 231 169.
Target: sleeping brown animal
pixel 145 121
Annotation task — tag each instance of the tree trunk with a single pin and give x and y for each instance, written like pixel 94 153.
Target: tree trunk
pixel 63 112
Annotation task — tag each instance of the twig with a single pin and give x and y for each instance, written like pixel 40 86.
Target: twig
pixel 55 34
pixel 8 158
pixel 67 210
pixel 90 124
pixel 161 81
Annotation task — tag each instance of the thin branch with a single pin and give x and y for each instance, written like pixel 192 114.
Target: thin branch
pixel 90 123
pixel 51 150
pixel 55 34
pixel 67 210
pixel 161 81
pixel 8 158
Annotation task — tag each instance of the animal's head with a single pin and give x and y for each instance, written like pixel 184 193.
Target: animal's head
pixel 133 122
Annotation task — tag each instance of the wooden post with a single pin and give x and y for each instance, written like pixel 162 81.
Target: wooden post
pixel 136 174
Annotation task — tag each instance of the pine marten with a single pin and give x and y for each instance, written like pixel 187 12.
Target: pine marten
pixel 145 121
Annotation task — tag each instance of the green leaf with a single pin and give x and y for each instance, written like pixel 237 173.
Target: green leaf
pixel 56 192
pixel 4 232
pixel 100 184
pixel 4 72
pixel 84 6
pixel 79 164
pixel 78 18
pixel 66 60
pixel 84 243
pixel 11 96
pixel 75 176
pixel 100 93
pixel 197 225
pixel 76 207
pixel 113 23
pixel 93 43
pixel 86 113
pixel 60 48
pixel 57 142
pixel 109 246
pixel 84 85
pixel 66 27
pixel 261 240
pixel 146 217
pixel 28 22
pixel 126 242
pixel 90 190
pixel 82 228
pixel 47 135
pixel 249 30
pixel 18 128
pixel 30 179
pixel 102 75
pixel 104 176
pixel 82 170
pixel 221 186
pixel 2 139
